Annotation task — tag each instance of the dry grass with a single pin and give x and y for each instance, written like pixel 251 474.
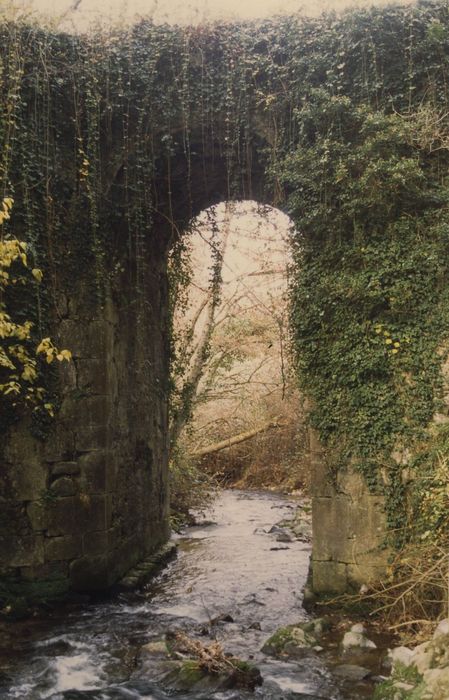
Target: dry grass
pixel 414 598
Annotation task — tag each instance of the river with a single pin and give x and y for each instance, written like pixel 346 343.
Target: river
pixel 230 567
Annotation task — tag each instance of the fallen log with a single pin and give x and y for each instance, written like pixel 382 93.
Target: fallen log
pixel 235 440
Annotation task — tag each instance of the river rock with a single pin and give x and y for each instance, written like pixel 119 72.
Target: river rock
pixel 442 629
pixel 422 657
pixel 400 685
pixel 400 655
pixel 189 677
pixel 284 537
pixel 351 672
pixel 436 681
pixel 290 641
pixel 356 638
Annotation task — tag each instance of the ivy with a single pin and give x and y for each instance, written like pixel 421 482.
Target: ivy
pixel 370 302
pixel 111 143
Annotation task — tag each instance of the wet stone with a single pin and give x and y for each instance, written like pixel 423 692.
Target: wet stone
pixel 351 672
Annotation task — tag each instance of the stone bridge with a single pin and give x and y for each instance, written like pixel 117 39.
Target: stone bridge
pixel 86 498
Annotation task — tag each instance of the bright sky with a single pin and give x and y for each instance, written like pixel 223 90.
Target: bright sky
pixel 80 13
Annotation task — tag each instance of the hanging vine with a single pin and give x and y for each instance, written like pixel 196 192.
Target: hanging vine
pixel 108 145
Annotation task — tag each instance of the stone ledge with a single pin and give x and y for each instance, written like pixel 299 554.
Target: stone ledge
pixel 149 567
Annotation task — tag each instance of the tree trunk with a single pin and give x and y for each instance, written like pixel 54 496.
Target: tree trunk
pixel 241 437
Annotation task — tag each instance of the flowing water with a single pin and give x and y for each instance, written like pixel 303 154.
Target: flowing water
pixel 231 567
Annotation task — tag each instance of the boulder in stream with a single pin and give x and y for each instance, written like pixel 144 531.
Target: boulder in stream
pixel 356 637
pixel 183 664
pixel 295 640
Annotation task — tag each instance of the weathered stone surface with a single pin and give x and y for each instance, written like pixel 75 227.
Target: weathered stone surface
pixel 329 577
pixel 65 469
pixel 364 572
pixel 351 672
pixel 348 529
pixel 96 542
pixel 76 514
pixel 97 469
pixel 85 340
pixel 91 573
pixel 96 377
pixel 26 551
pixel 27 475
pixel 37 515
pixel 84 411
pixel 62 548
pixel 60 445
pixel 64 486
pixel 92 437
pixel 330 529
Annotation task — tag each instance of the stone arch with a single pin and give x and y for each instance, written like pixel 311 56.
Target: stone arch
pixel 87 503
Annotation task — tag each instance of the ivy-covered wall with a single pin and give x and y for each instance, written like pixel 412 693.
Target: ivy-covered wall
pixel 109 144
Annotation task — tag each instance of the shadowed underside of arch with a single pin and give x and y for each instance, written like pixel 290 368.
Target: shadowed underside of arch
pixel 109 147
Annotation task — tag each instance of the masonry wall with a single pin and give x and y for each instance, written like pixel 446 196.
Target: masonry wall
pixel 349 528
pixel 82 506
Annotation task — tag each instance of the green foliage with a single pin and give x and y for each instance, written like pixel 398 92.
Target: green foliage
pixel 191 489
pixel 429 489
pixel 370 307
pixel 106 141
pixel 392 689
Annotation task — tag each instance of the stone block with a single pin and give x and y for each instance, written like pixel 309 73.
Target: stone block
pixel 37 515
pixel 95 469
pixel 64 486
pixel 67 375
pixel 366 524
pixel 65 469
pixel 28 477
pixel 349 530
pixel 91 573
pixel 84 410
pixel 27 551
pixel 360 573
pixel 96 542
pixel 92 437
pixel 351 483
pixel 84 340
pixel 321 479
pixel 328 577
pixel 60 445
pixel 93 376
pixel 76 514
pixel 55 570
pixel 330 528
pixel 62 548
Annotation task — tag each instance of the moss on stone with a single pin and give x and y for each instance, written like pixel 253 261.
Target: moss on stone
pixel 17 597
pixel 392 689
pixel 190 673
pixel 293 636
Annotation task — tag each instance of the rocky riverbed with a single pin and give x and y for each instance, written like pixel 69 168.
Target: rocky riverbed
pixel 224 621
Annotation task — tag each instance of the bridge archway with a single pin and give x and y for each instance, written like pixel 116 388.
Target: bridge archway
pixel 134 136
